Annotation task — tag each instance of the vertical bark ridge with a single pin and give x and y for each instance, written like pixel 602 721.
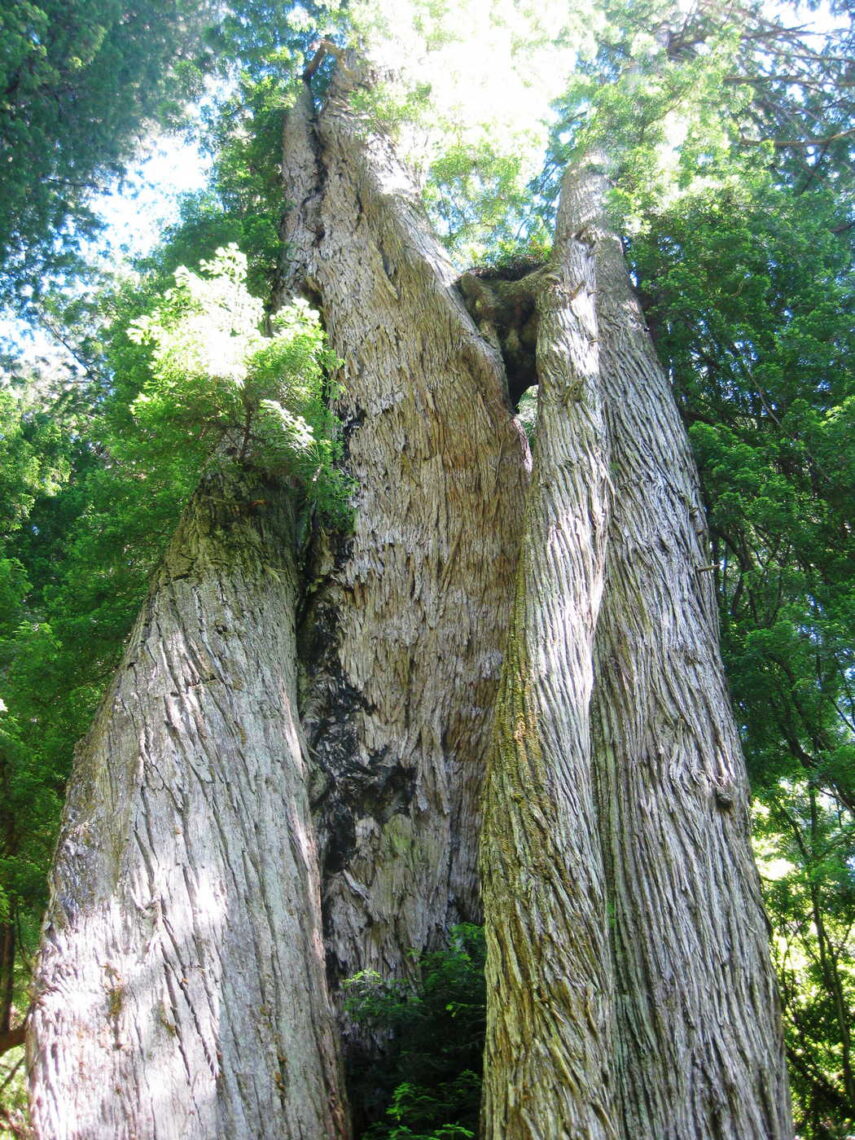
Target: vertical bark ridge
pixel 618 815
pixel 548 1060
pixel 411 623
pixel 700 1046
pixel 180 988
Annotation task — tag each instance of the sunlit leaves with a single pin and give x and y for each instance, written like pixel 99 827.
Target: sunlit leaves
pixel 221 388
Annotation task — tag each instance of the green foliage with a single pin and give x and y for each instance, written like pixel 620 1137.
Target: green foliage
pixel 806 849
pixel 32 459
pixel 263 47
pixel 246 139
pixel 477 196
pixel 683 99
pixel 428 1082
pixel 13 1096
pixel 36 462
pixel 79 81
pixel 527 413
pixel 268 40
pixel 219 387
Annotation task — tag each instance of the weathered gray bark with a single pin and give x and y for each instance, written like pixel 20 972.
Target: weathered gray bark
pixel 700 1036
pixel 627 947
pixel 180 990
pixel 549 1043
pixel 405 634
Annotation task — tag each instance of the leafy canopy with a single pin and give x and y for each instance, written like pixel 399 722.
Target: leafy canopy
pixel 220 387
pixel 81 81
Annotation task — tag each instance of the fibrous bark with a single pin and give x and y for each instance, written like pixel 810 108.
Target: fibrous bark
pixel 549 1040
pixel 626 940
pixel 405 634
pixel 698 1023
pixel 180 990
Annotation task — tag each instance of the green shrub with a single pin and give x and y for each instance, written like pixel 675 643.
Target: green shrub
pixel 427 1083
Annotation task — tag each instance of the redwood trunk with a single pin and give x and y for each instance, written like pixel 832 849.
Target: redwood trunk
pixel 698 1023
pixel 404 636
pixel 627 945
pixel 180 989
pixel 549 1049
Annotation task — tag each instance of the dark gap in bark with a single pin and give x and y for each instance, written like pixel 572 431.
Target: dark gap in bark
pixel 358 788
pixel 345 785
pixel 503 303
pixel 349 424
pixel 309 293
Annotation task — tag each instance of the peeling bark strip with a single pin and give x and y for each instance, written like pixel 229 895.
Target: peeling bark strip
pixel 413 618
pixel 180 988
pixel 627 951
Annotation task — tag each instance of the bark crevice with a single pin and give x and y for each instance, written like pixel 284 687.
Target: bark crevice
pixel 503 304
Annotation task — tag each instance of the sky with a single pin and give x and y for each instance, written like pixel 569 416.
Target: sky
pixel 135 215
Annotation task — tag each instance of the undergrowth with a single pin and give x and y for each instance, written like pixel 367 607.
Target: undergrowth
pixel 427 1084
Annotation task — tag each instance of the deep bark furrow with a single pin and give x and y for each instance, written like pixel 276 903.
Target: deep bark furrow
pixel 182 954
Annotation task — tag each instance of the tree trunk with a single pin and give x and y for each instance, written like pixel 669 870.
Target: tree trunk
pixel 180 989
pixel 699 1027
pixel 404 636
pixel 549 1040
pixel 7 969
pixel 627 946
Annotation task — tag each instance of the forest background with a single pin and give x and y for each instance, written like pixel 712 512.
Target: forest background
pixel 730 130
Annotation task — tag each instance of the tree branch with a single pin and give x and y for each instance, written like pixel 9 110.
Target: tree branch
pixel 12 1038
pixel 783 144
pixel 322 49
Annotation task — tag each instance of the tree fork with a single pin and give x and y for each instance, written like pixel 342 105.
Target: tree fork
pixel 503 304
